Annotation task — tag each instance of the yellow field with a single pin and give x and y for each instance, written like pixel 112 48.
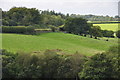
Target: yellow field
pixel 113 27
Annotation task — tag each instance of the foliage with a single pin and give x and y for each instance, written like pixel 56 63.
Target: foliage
pixel 21 16
pixel 115 49
pixel 52 20
pixel 53 28
pixel 71 65
pixel 91 17
pixel 53 64
pixel 76 26
pixel 102 66
pixel 118 33
pixel 16 29
pixel 96 31
pixel 46 64
pixel 107 33
pixel 7 62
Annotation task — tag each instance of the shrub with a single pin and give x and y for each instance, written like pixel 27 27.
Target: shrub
pixel 70 66
pixel 15 29
pixel 102 66
pixel 8 68
pixel 118 33
pixel 107 33
pixel 48 64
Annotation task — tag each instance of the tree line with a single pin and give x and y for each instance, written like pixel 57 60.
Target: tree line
pixel 22 16
pixel 79 26
pixel 91 17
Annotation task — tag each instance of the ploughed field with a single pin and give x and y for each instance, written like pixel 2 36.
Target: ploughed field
pixel 68 43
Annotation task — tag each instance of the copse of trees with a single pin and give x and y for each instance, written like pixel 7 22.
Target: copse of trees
pixel 97 32
pixel 80 26
pixel 76 26
pixel 52 20
pixel 21 16
pixel 48 12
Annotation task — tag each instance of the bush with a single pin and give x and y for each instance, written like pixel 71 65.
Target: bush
pixel 107 33
pixel 52 64
pixel 8 68
pixel 118 33
pixel 17 29
pixel 53 28
pixel 48 64
pixel 102 66
pixel 70 65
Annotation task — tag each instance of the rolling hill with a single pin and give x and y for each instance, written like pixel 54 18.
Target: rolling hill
pixel 69 43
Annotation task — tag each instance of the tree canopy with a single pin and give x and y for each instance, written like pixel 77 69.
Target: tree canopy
pixel 76 26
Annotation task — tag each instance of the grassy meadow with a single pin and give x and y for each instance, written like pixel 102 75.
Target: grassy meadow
pixel 69 43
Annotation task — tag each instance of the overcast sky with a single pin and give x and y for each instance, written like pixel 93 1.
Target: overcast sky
pixel 103 7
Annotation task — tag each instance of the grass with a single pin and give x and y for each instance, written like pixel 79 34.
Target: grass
pixel 113 27
pixel 69 43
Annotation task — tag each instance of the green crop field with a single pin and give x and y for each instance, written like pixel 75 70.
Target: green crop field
pixel 113 27
pixel 69 43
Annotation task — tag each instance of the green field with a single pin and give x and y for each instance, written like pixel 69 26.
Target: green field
pixel 113 27
pixel 69 43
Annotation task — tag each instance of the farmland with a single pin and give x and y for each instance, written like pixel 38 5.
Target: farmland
pixel 106 25
pixel 113 27
pixel 69 43
pixel 45 44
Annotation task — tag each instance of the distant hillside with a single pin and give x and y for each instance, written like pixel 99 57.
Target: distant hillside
pixel 96 18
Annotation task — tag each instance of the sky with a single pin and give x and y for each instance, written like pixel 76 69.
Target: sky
pixel 82 7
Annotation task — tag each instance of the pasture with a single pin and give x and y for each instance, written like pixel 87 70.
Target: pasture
pixel 113 27
pixel 69 43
